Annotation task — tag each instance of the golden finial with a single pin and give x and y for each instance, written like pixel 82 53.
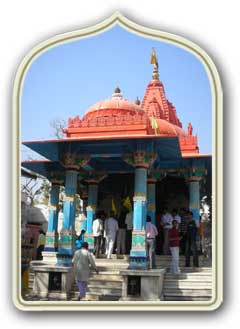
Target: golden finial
pixel 154 62
pixel 137 101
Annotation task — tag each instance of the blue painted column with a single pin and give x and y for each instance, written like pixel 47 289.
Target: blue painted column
pixel 194 197
pixel 51 243
pixel 91 212
pixel 84 210
pixel 138 254
pixel 151 199
pixel 67 234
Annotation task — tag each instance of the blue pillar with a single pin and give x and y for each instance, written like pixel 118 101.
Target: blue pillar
pixel 84 210
pixel 138 255
pixel 194 198
pixel 91 212
pixel 151 200
pixel 51 243
pixel 67 235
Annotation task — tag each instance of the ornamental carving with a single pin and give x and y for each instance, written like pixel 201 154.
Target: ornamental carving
pixel 140 158
pixel 111 119
pixel 92 177
pixel 67 238
pixel 195 174
pixel 56 177
pixel 138 240
pixel 91 208
pixel 75 161
pixel 139 196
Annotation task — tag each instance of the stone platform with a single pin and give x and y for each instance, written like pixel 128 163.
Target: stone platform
pixel 51 281
pixel 148 284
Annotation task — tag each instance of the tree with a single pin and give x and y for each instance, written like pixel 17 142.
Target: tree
pixel 31 188
pixel 57 126
pixel 45 191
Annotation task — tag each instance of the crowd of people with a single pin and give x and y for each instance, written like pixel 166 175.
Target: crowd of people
pixel 177 232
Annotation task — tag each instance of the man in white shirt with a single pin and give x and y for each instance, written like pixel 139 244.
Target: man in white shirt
pixel 176 217
pixel 83 262
pixel 151 233
pixel 97 233
pixel 166 222
pixel 111 228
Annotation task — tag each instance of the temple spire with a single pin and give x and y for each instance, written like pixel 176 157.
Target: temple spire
pixel 154 62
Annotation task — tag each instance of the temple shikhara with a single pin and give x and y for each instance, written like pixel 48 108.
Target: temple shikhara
pixel 118 150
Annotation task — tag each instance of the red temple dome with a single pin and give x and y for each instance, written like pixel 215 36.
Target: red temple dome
pixel 114 106
pixel 118 117
pixel 111 117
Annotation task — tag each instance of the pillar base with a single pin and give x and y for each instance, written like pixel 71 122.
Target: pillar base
pixel 49 256
pixel 138 263
pixel 64 259
pixel 51 242
pixel 138 254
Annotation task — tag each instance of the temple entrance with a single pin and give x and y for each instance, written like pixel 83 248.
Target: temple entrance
pixel 171 192
pixel 113 190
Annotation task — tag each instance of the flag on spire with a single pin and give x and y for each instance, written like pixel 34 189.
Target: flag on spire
pixel 153 59
pixel 154 124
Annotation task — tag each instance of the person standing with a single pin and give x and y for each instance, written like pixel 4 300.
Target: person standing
pixel 97 233
pixel 166 221
pixel 151 233
pixel 201 236
pixel 40 245
pixel 111 228
pixel 79 241
pixel 183 229
pixel 191 242
pixel 176 217
pixel 83 262
pixel 121 235
pixel 129 223
pixel 174 238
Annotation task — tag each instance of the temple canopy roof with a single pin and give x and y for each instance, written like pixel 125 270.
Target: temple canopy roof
pixel 107 155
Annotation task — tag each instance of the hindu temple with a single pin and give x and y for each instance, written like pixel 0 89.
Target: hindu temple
pixel 120 149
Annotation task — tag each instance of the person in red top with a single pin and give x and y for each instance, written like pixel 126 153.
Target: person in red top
pixel 174 238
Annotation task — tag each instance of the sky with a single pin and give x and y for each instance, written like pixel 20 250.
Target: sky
pixel 66 80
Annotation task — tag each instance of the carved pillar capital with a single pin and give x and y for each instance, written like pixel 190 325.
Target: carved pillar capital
pixel 140 158
pixel 56 177
pixel 74 161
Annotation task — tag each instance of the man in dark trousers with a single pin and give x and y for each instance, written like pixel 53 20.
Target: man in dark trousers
pixel 191 239
pixel 183 229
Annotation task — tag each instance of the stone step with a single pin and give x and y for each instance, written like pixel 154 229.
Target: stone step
pixel 187 285
pixel 188 276
pixel 193 279
pixel 188 292
pixel 102 284
pixel 107 277
pixel 97 294
pixel 92 286
pixel 186 298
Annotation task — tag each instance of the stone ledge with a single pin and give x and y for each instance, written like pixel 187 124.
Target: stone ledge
pixel 153 272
